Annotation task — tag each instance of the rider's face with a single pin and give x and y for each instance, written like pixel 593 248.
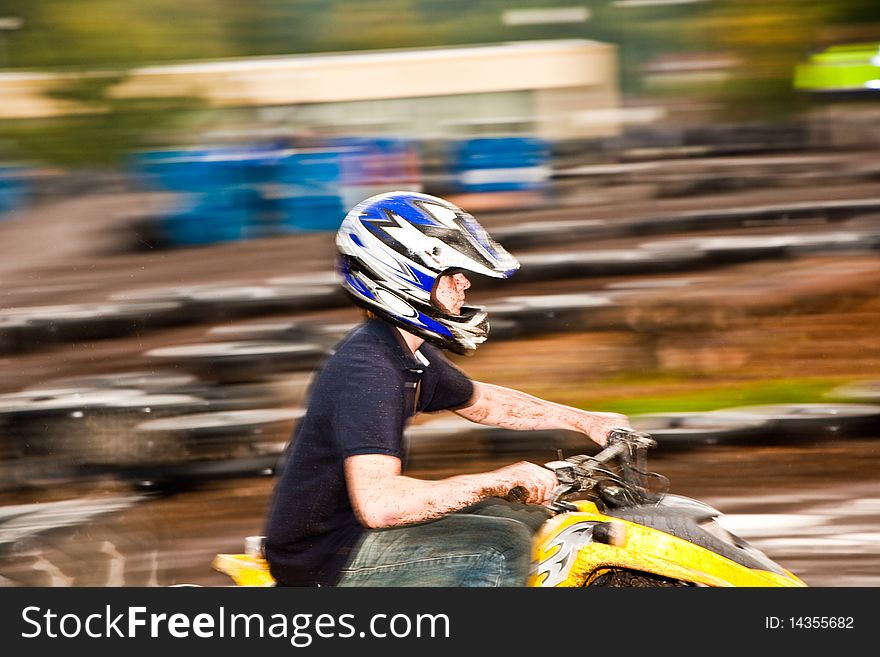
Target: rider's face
pixel 449 292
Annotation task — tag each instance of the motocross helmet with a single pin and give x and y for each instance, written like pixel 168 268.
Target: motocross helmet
pixel 394 246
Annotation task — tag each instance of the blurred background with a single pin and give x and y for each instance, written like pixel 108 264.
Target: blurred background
pixel 691 187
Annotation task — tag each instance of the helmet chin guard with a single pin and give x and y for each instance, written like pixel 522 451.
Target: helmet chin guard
pixel 394 246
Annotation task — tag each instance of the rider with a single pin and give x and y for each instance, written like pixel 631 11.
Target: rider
pixel 343 513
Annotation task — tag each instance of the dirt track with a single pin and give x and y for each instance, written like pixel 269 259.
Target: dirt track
pixel 69 252
pixel 813 508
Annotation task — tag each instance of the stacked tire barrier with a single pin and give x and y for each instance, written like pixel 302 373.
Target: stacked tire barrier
pixel 63 433
pixel 241 361
pixel 218 444
pixel 210 409
pixel 132 313
pixel 450 440
pixel 151 426
pixel 135 311
pixel 647 142
pixel 814 422
pixel 221 419
pixel 551 233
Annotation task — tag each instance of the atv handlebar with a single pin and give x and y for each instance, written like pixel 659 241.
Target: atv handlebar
pixel 627 438
pixel 623 444
pixel 626 446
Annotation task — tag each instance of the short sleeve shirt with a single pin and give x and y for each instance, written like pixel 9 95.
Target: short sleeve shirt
pixel 360 403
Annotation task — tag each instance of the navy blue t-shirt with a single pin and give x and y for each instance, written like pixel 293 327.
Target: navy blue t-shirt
pixel 359 403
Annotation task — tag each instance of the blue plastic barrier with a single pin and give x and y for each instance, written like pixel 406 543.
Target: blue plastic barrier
pixel 201 170
pixel 310 172
pixel 372 165
pixel 377 161
pixel 255 192
pixel 222 217
pixel 14 190
pixel 311 182
pixel 312 213
pixel 223 192
pixel 492 164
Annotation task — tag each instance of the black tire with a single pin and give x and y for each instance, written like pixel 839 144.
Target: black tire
pixel 622 578
pixel 683 430
pixel 812 421
pixel 224 435
pixel 245 361
pixel 609 262
pixel 284 330
pixel 563 312
pixel 224 303
pixel 146 381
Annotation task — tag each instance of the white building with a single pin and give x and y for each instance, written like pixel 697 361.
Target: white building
pixel 552 89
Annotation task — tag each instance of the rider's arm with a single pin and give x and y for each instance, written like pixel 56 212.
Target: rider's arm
pixel 502 407
pixel 382 497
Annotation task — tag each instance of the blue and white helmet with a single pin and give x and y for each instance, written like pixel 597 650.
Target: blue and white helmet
pixel 394 246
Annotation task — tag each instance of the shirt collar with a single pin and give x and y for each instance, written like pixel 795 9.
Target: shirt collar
pixel 389 334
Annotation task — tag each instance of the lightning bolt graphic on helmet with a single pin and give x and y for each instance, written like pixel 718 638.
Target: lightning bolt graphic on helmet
pixel 394 246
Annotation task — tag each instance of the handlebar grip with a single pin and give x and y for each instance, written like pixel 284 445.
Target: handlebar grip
pixel 517 494
pixel 611 452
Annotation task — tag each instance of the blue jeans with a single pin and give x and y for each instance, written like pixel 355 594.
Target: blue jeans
pixel 486 544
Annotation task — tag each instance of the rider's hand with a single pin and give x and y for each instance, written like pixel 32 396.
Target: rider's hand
pixel 598 425
pixel 537 481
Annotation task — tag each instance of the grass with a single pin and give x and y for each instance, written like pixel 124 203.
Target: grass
pixel 712 397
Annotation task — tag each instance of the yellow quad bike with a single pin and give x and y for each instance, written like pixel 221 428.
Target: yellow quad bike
pixel 611 527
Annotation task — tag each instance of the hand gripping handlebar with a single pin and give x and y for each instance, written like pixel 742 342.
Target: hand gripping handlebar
pixel 623 443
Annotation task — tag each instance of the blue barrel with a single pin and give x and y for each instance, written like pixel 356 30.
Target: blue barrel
pixel 372 165
pixel 14 190
pixel 309 183
pixel 312 213
pixel 173 170
pixel 371 161
pixel 493 164
pixel 310 173
pixel 210 218
pixel 225 192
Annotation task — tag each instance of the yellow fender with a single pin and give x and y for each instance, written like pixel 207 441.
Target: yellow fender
pixel 244 569
pixel 560 560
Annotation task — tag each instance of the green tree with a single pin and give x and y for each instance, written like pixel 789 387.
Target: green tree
pixel 768 40
pixel 65 34
pixel 93 43
pixel 104 131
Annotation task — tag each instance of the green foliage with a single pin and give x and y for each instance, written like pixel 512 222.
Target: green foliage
pixel 64 34
pixel 90 33
pixel 768 38
pixel 103 133
pixel 713 397
pixel 768 41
